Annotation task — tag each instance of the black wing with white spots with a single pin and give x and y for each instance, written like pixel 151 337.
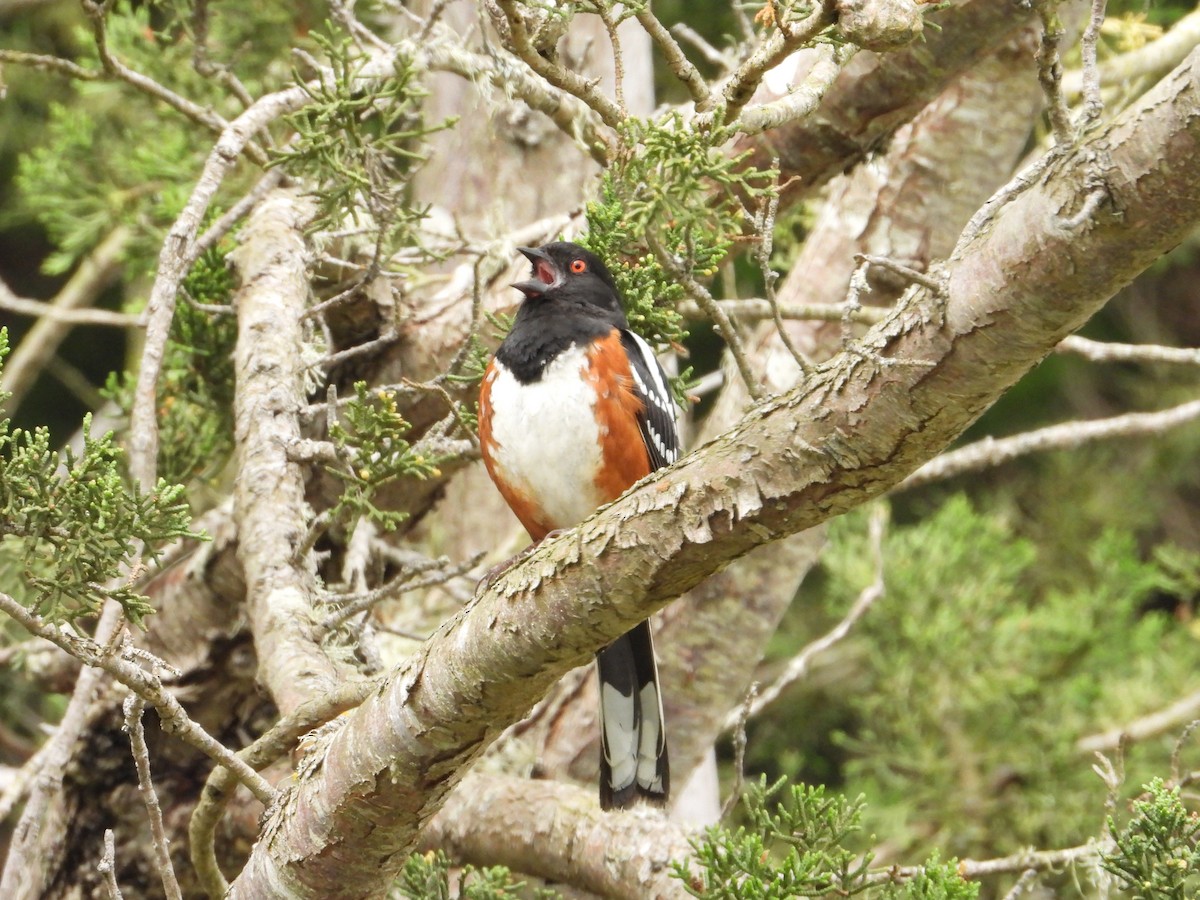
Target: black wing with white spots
pixel 657 419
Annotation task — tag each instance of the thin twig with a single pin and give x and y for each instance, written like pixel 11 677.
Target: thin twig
pixel 49 64
pixel 382 342
pixel 179 252
pixel 681 67
pixel 1183 710
pixel 134 707
pixel 23 860
pixel 1177 750
pixel 798 666
pixel 42 310
pixel 1099 351
pixel 739 752
pixel 802 100
pixel 614 40
pixel 108 865
pixel 720 319
pixel 1151 60
pixel 906 272
pixel 175 720
pixel 1049 65
pixel 1093 104
pixel 1038 860
pixel 765 229
pixel 218 229
pixel 753 309
pixel 397 587
pixel 96 272
pixel 206 117
pixel 780 43
pixel 564 79
pixel 1016 186
pixel 991 452
pixel 1024 883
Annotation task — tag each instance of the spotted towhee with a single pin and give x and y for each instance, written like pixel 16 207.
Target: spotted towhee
pixel 574 409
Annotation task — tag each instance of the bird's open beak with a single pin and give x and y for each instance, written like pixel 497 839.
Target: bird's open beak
pixel 545 273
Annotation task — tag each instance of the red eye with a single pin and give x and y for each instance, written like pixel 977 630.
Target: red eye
pixel 578 266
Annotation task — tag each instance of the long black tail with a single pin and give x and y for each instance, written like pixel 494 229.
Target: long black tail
pixel 633 740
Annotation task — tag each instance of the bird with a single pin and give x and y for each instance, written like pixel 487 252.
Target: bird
pixel 574 408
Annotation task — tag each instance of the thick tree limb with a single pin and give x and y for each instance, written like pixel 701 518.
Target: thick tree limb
pixel 877 92
pixel 269 502
pixel 492 820
pixel 858 427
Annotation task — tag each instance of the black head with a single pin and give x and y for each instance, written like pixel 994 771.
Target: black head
pixel 565 273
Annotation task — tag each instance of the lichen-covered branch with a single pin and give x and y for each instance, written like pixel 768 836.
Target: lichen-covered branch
pixel 269 502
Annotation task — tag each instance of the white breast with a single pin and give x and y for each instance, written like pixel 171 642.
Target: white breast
pixel 547 440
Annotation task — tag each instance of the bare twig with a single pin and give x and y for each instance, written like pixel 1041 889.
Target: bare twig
pixel 179 252
pixel 1182 711
pixel 1016 186
pixel 739 88
pixel 175 720
pixel 585 89
pixel 755 309
pixel 739 752
pixel 573 115
pixel 1050 75
pixel 134 707
pixel 907 272
pixel 677 60
pixel 1037 860
pixel 117 69
pixel 797 667
pixel 764 227
pixel 724 325
pixel 802 100
pixel 67 316
pixel 49 64
pixel 108 865
pixel 218 229
pixel 992 452
pixel 707 50
pixel 1093 105
pixel 443 571
pixel 21 866
pixel 1153 59
pixel 94 274
pixel 1099 351
pixel 1177 750
pixel 1024 883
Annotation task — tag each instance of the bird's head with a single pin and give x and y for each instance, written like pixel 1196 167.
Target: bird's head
pixel 566 273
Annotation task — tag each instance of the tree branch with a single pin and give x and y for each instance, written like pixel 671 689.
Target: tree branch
pixel 94 274
pixel 853 431
pixel 989 452
pixel 515 822
pixel 876 93
pixel 269 502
